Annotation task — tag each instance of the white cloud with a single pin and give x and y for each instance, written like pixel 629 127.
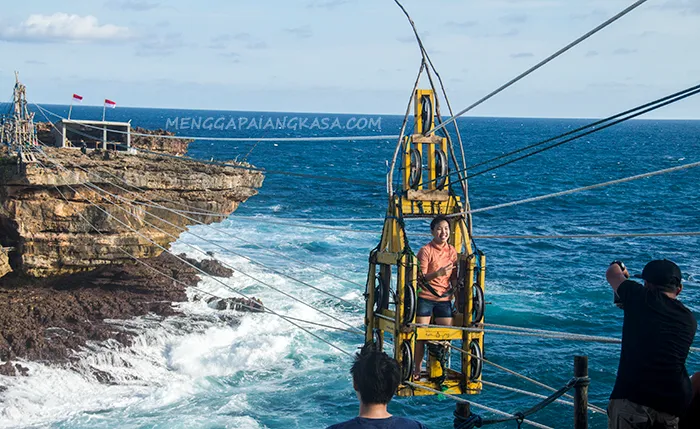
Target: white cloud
pixel 62 27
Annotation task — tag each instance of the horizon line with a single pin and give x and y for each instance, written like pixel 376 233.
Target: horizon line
pixel 98 106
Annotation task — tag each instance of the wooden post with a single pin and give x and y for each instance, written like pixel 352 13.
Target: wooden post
pixel 463 410
pixel 581 393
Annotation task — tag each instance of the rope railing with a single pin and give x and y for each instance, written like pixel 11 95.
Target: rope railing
pixel 523 392
pixel 508 416
pixel 592 407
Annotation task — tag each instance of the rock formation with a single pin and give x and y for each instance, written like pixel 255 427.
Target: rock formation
pixel 46 319
pixel 52 236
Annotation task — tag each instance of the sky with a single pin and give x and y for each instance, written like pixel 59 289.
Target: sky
pixel 351 56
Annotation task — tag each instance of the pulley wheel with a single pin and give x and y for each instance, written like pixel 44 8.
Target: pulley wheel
pixel 426 114
pixel 409 305
pixel 441 168
pixel 478 304
pixel 416 169
pixel 378 293
pixel 406 361
pixel 475 362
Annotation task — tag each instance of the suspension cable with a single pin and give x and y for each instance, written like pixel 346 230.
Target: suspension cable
pixel 638 111
pixel 260 264
pixel 426 58
pixel 202 271
pixel 541 63
pixel 476 236
pixel 583 188
pixel 185 285
pixel 608 125
pixel 583 128
pixel 94 187
pixel 179 212
pixel 228 234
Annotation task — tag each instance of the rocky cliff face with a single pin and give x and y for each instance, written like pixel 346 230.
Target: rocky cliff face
pixel 52 236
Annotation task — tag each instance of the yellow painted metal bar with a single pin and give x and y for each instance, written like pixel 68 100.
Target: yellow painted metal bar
pixel 437 334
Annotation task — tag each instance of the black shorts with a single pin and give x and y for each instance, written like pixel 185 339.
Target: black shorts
pixel 428 308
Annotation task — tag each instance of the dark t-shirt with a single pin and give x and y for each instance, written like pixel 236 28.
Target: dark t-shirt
pixel 657 333
pixel 389 423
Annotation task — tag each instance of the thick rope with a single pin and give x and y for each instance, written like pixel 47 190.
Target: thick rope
pixel 576 381
pixel 475 405
pixel 542 63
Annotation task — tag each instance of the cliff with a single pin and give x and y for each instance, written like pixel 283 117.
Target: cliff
pixel 53 237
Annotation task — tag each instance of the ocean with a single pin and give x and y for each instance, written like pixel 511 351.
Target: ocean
pixel 192 371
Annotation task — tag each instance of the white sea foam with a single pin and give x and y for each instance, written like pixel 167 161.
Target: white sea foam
pixel 176 359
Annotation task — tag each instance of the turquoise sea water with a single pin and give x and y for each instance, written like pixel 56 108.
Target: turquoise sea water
pixel 195 371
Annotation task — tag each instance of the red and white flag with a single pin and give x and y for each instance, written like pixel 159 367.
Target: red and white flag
pixel 109 103
pixel 77 98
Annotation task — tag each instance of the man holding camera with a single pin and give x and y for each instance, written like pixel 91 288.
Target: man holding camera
pixel 652 389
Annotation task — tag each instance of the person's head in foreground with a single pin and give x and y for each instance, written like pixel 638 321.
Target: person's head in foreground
pixel 375 375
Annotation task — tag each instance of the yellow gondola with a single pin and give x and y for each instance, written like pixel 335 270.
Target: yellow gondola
pixel 426 193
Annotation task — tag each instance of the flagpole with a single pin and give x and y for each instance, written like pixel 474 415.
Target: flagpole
pixel 70 110
pixel 104 108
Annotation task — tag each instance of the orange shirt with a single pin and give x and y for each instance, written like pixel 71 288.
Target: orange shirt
pixel 432 257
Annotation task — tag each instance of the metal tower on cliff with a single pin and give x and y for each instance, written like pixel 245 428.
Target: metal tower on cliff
pixel 17 125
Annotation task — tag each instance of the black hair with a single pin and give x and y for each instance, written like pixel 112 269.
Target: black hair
pixel 375 375
pixel 436 221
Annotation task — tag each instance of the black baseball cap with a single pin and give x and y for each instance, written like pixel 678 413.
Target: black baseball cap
pixel 662 272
